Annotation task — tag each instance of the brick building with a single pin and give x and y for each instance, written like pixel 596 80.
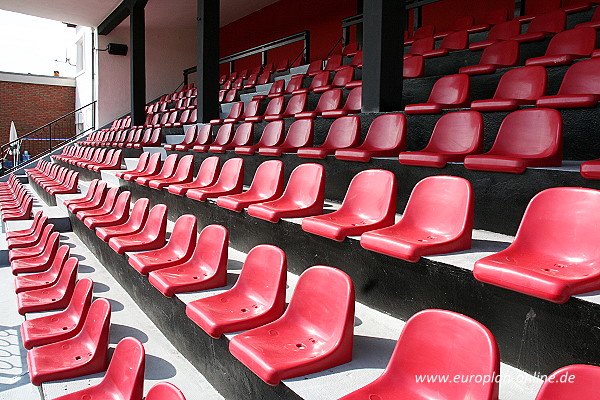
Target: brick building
pixel 32 101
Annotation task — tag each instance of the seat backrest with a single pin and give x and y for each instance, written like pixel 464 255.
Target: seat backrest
pixel 244 134
pixel 420 46
pixel 580 41
pixel 343 76
pixel 320 79
pixel 354 100
pixel 224 135
pixel 156 224
pixel 451 89
pixel 350 49
pixel 251 109
pixel 82 295
pixel 190 134
pixel 343 132
pixel 438 343
pixel 272 135
pixel 263 78
pixel 314 66
pixel 146 135
pixel 95 328
pixel 562 223
pixel 333 62
pixel 263 275
pixel 137 135
pixel 155 137
pixel 573 381
pixel 230 95
pixel 533 133
pixel 231 172
pixel 277 86
pixel 413 67
pixel 110 199
pixel 139 213
pixel 455 41
pixel 495 17
pixel 306 184
pixel 236 110
pixel 208 171
pixel 316 286
pixel 164 391
pixel 153 164
pixel 185 167
pixel 457 132
pixel 551 22
pixel 441 204
pixel 505 53
pixel 204 135
pixel 463 23
pixel 268 178
pixel 424 31
pixel 295 83
pixel 525 83
pixel 371 194
pixel 329 100
pixel 300 133
pixel 212 247
pixel 121 205
pixel 296 104
pixel 387 131
pixel 183 236
pixel 275 106
pixel 168 166
pixel 582 78
pixel 125 373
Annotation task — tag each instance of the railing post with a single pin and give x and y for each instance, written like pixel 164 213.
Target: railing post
pixel 263 58
pixel 306 47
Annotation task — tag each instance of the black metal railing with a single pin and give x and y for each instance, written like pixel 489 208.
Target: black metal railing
pixel 263 50
pixel 47 138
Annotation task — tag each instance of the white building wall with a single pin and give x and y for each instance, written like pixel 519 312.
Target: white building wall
pixel 84 78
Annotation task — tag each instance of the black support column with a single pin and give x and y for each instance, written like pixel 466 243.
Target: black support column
pixel 383 38
pixel 519 8
pixel 208 60
pixel 138 61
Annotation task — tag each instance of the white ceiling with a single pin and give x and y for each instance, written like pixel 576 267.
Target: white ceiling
pixel 93 12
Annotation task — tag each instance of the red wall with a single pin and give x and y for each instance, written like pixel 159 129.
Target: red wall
pixel 443 13
pixel 322 18
pixel 31 106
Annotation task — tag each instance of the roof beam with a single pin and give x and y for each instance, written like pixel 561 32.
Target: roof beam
pixel 119 15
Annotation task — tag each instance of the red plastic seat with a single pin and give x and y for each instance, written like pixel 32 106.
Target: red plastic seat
pixel 244 135
pixel 498 55
pixel 52 297
pixel 266 185
pixel 35 248
pixel 308 337
pixel 526 138
pixel 38 219
pixel 95 202
pixel 167 170
pixel 300 134
pixel 46 278
pixel 184 173
pixel 188 140
pixel 106 206
pixel 454 41
pixel 235 113
pixel 517 87
pixel 414 67
pixel 344 132
pixel 314 67
pixel 276 90
pixel 133 224
pixel 438 219
pixel 319 80
pixel 274 107
pixel 421 32
pixel 223 137
pixel 438 343
pixel 151 236
pixel 86 353
pixel 303 196
pixel 353 105
pixel 271 136
pixel 452 91
pixel 141 164
pixel 567 46
pixel 342 77
pixel 178 249
pixel 89 194
pixel 370 203
pixel 295 105
pixel 164 391
pixel 580 87
pixel 386 138
pixel 554 254
pixel 421 46
pixel 252 109
pixel 543 25
pixel 117 215
pixel 151 168
pixel 592 23
pixel 23 212
pixel 39 225
pixel 573 381
pixel 206 176
pixel 205 269
pixel 230 181
pixel 256 299
pixel 62 325
pixel 329 100
pixel 295 83
pixel 455 136
pixel 40 262
pixel 590 169
pixel 124 379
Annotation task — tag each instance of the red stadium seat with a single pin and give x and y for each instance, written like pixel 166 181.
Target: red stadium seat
pixel 141 164
pixel 517 87
pixel 151 236
pixel 425 31
pixel 38 263
pixel 319 80
pixel 104 208
pixel 353 105
pixel 452 91
pixel 204 138
pixel 386 138
pixel 266 185
pixel 184 173
pixel 256 299
pixel 329 100
pixel 553 255
pixel 459 345
pixel 230 181
pixel 274 107
pixel 342 77
pixel 300 134
pixel 35 248
pixel 308 338
pixel 133 224
pixel 333 62
pixel 455 136
pixel 295 83
pixel 188 140
pixel 164 391
pixel 498 55
pixel 178 249
pixel 593 23
pixel 46 278
pixel 414 67
pixel 117 215
pixel 370 203
pixel 86 353
pixel 39 225
pixel 206 176
pixel 526 138
pixel 206 269
pixel 578 380
pixel 344 132
pixel 15 238
pixel 543 25
pixel 567 46
pixel 438 219
pixel 235 114
pixel 580 87
pixel 295 105
pixel 62 325
pixel 454 41
pixel 590 169
pixel 124 378
pixel 244 136
pixel 303 196
pixel 167 170
pixel 272 136
pixel 151 168
pixel 420 46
